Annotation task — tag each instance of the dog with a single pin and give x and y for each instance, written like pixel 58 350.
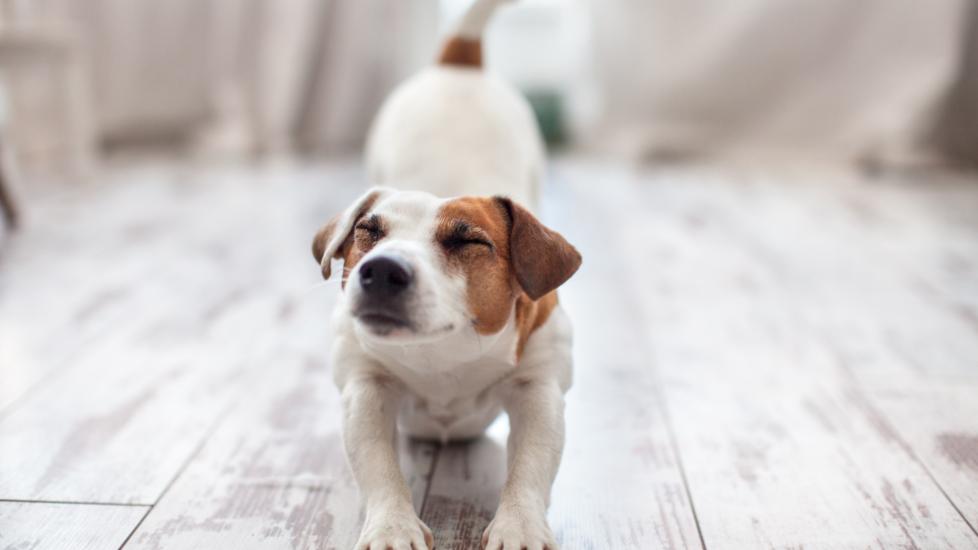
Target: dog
pixel 449 312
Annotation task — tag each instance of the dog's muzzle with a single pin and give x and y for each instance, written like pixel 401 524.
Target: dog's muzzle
pixel 385 281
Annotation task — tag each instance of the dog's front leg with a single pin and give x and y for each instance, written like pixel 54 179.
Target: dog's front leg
pixel 536 441
pixel 370 411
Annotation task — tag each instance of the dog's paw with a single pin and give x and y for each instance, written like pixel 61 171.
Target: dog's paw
pixel 518 529
pixel 394 530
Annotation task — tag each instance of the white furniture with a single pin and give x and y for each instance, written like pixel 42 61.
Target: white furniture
pixel 8 211
pixel 48 130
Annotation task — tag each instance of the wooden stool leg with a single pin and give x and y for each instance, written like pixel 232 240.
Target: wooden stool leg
pixel 7 205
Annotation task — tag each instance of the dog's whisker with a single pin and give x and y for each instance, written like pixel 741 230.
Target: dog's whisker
pixel 320 285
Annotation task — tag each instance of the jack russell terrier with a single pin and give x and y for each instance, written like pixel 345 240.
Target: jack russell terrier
pixel 449 310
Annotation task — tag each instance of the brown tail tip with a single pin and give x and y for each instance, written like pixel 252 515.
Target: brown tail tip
pixel 461 52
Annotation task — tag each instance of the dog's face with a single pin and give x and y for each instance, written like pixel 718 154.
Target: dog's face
pixel 417 268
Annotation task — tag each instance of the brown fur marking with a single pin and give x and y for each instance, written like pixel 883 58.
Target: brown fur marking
pixel 460 51
pixel 358 246
pixel 491 288
pixel 531 315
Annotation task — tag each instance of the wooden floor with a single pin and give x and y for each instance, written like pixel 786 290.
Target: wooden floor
pixel 764 359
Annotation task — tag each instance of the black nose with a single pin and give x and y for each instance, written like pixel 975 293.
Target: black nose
pixel 385 276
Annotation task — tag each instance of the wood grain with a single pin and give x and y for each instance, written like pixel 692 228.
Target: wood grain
pixel 49 526
pixel 764 358
pixel 909 346
pixel 781 446
pixel 938 426
pixel 895 314
pixel 125 415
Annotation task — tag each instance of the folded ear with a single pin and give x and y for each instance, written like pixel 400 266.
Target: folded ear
pixel 334 239
pixel 542 259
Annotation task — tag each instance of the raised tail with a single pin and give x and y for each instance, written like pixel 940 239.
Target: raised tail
pixel 463 47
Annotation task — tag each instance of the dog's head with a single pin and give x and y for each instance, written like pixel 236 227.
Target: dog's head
pixel 417 268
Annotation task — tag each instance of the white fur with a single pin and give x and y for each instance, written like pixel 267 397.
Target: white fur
pixel 453 131
pixel 473 23
pixel 449 132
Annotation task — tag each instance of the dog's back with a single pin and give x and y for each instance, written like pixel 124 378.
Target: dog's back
pixel 455 129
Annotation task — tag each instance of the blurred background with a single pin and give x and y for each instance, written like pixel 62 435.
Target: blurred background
pixel 888 82
pixel 775 321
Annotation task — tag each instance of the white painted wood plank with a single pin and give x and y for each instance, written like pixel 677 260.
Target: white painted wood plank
pixel 918 367
pixel 780 447
pixel 937 242
pixel 119 422
pixel 940 426
pixel 622 484
pixel 99 263
pixel 899 319
pixel 619 484
pixel 274 475
pixel 933 258
pixel 881 262
pixel 47 526
pixel 814 344
pixel 66 283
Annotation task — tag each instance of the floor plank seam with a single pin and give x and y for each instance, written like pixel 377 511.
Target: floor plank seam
pixel 75 502
pixel 193 454
pixel 947 496
pixel 136 528
pixel 937 304
pixel 431 479
pixel 659 394
pixel 183 467
pixel 867 395
pixel 679 460
pixel 905 445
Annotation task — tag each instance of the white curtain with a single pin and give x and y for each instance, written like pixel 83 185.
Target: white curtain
pixel 885 80
pixel 364 50
pixel 239 75
pixel 860 80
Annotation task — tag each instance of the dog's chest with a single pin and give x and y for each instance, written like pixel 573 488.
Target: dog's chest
pixel 455 405
pixel 450 389
pixel 446 379
pixel 460 420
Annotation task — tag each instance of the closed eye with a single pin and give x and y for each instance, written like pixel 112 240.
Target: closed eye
pixel 371 226
pixel 459 242
pixel 465 236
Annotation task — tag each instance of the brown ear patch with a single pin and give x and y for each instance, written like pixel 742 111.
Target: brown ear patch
pixel 542 259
